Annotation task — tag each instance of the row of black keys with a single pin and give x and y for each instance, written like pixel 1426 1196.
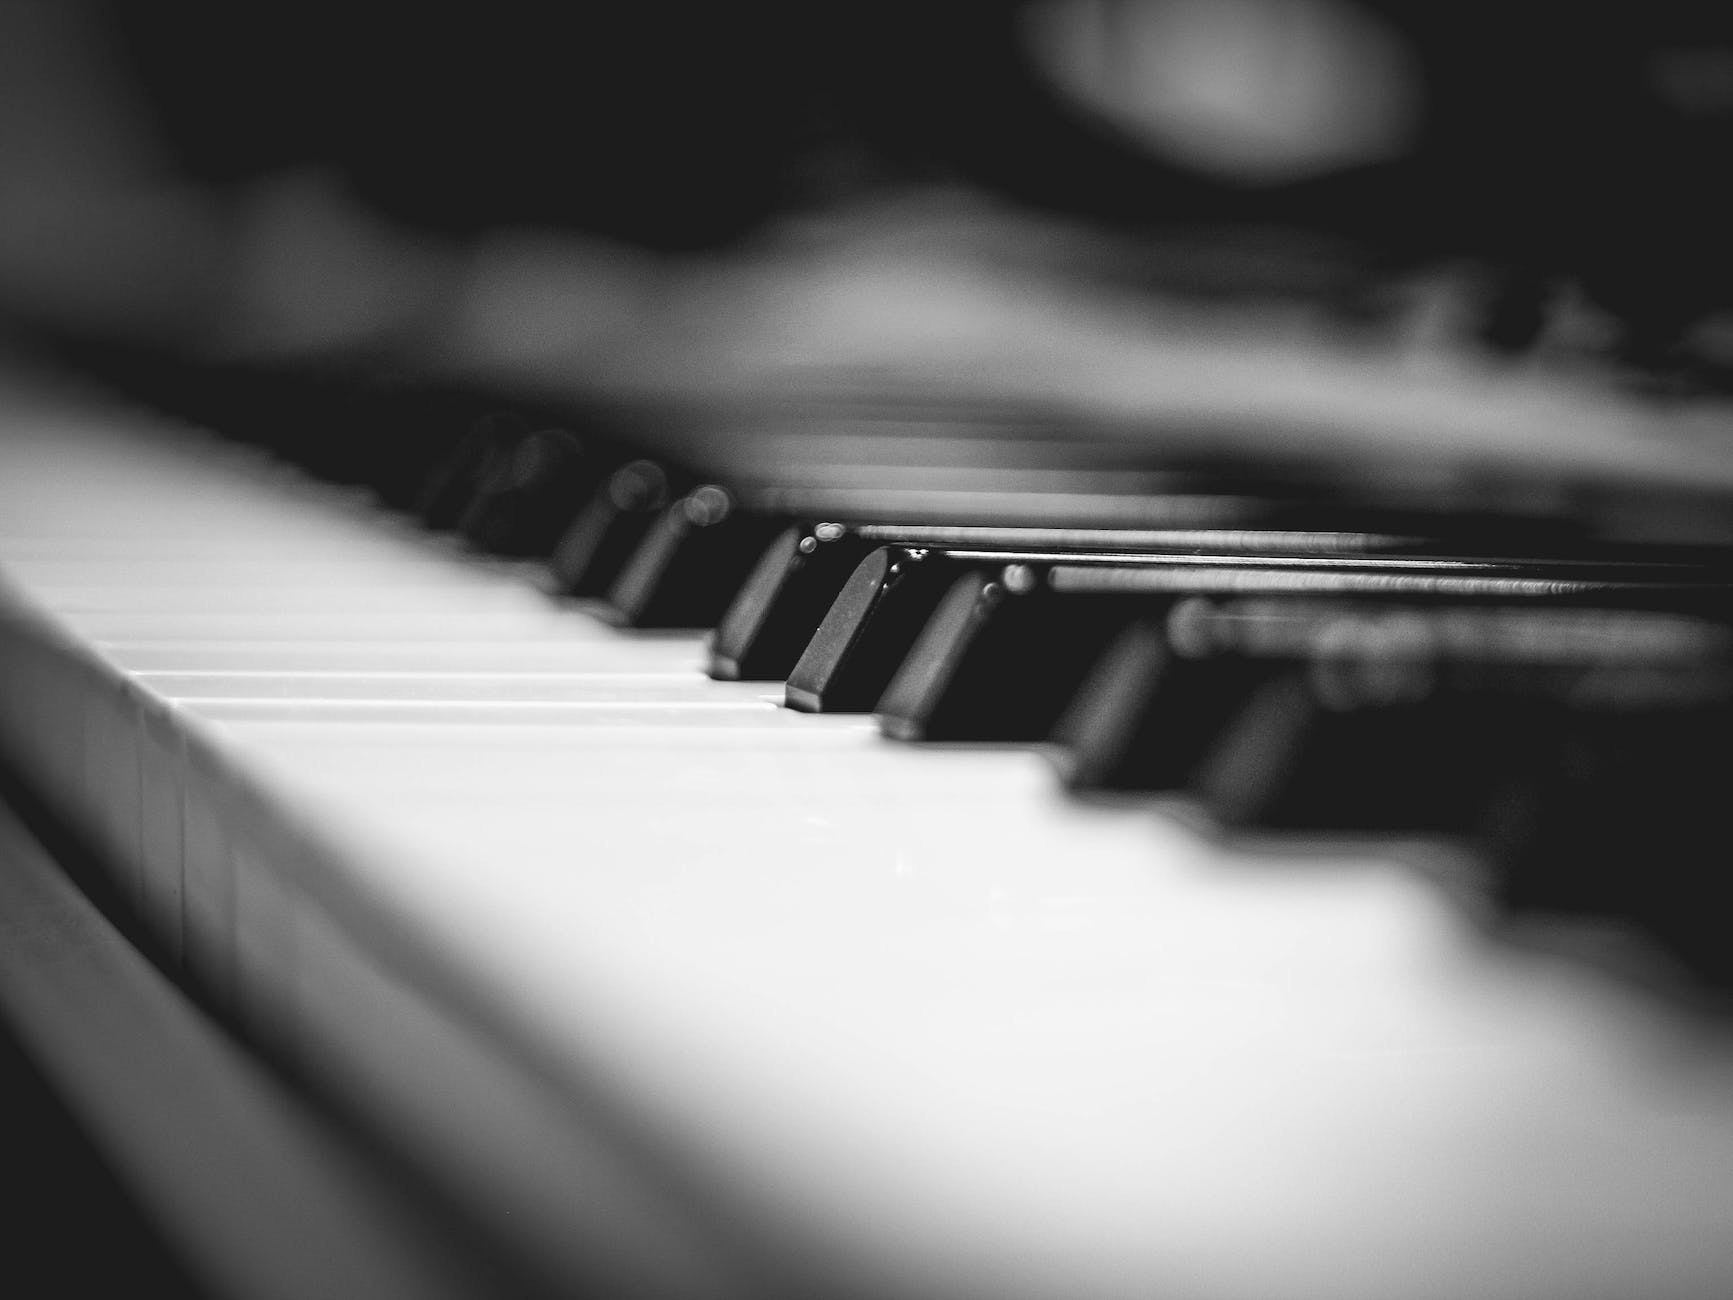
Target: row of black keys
pixel 1562 706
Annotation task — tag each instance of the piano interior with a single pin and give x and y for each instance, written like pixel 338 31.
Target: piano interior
pixel 1068 648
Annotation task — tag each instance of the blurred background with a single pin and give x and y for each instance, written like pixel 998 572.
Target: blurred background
pixel 682 192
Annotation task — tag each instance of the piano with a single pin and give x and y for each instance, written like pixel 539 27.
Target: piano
pixel 1206 807
pixel 667 989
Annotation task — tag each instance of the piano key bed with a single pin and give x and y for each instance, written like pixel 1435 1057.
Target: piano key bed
pixel 673 990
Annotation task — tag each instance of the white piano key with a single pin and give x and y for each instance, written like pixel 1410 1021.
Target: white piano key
pixel 359 624
pixel 384 689
pixel 111 787
pixel 541 1163
pixel 208 887
pixel 52 690
pixel 1097 984
pixel 268 908
pixel 162 808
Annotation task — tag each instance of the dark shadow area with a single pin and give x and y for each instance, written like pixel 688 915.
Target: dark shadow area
pixel 71 1228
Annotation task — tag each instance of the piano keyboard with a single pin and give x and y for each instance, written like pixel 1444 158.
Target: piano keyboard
pixel 676 991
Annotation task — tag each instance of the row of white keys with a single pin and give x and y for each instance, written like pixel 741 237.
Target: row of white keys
pixel 726 997
pixel 152 568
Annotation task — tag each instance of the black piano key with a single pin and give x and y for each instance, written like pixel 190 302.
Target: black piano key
pixel 1291 761
pixel 773 617
pixel 1136 725
pixel 1553 845
pixel 1406 718
pixel 691 564
pixel 999 660
pixel 908 707
pixel 1146 716
pixel 393 431
pixel 607 529
pixel 1625 821
pixel 452 486
pixel 869 630
pixel 527 492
